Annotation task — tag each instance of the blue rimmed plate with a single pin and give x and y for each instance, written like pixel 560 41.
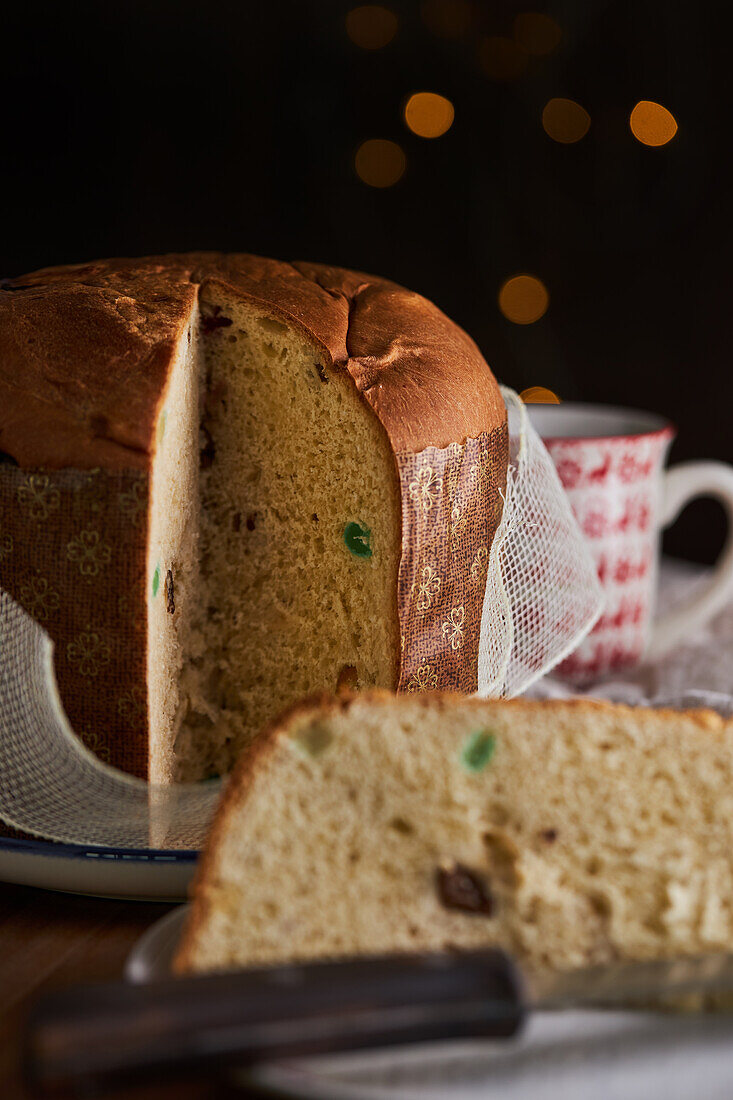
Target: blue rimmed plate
pixel 147 874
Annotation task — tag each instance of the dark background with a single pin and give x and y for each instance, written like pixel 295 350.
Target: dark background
pixel 168 125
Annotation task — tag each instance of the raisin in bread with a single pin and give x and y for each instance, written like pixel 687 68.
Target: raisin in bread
pixel 200 497
pixel 569 833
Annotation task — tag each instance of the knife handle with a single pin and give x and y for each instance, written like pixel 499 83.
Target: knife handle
pixel 105 1035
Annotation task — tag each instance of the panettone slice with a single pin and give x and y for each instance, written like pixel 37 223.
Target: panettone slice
pixel 569 833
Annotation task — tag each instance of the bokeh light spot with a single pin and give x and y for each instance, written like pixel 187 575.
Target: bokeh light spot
pixel 447 18
pixel 539 395
pixel 651 123
pixel 501 59
pixel 565 121
pixel 536 33
pixel 523 299
pixel 429 115
pixel 371 26
pixel 379 163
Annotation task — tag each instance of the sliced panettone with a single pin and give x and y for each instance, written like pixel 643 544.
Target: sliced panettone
pixel 221 479
pixel 570 833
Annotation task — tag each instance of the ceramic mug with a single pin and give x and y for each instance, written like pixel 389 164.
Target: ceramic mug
pixel 611 463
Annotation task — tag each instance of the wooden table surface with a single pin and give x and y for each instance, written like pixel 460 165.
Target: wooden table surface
pixel 49 941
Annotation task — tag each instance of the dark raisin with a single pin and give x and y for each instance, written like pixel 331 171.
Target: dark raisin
pixel 314 517
pixel 208 451
pixel 170 603
pixel 216 393
pixel 237 521
pixel 210 322
pixel 251 521
pixel 321 372
pixel 347 679
pixel 550 835
pixel 460 888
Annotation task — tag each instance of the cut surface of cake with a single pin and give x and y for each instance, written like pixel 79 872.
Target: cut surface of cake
pixel 569 833
pixel 209 466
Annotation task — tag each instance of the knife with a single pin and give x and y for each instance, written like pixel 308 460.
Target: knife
pixel 108 1035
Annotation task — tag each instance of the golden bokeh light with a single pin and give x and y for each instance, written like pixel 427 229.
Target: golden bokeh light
pixel 536 33
pixel 523 299
pixel 539 395
pixel 565 121
pixel 371 26
pixel 447 18
pixel 429 115
pixel 501 58
pixel 379 162
pixel 651 123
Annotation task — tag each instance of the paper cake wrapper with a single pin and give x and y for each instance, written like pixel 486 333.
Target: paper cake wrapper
pixel 73 555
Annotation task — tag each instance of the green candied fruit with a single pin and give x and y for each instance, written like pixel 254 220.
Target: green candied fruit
pixel 356 537
pixel 314 740
pixel 478 750
pixel 156 580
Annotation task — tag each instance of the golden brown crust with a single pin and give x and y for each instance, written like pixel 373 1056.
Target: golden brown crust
pixel 85 352
pixel 244 774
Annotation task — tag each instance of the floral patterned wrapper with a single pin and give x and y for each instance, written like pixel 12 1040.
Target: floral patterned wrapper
pixel 452 500
pixel 71 544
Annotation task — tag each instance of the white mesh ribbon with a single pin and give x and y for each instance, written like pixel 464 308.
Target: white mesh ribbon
pixel 542 597
pixel 542 592
pixel 51 785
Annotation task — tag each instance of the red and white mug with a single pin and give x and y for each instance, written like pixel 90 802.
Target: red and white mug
pixel 611 463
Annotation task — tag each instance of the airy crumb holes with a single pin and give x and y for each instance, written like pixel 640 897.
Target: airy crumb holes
pixel 214 319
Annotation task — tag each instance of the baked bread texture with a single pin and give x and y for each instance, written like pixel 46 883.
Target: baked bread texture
pixel 209 462
pixel 570 833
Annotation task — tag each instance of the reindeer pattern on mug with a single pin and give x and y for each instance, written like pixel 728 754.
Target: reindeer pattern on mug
pixel 613 485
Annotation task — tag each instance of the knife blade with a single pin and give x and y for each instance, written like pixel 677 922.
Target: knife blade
pixel 625 983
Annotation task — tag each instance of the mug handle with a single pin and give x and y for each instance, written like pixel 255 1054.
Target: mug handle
pixel 682 484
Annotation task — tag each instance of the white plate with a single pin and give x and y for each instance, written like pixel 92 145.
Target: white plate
pixel 145 875
pixel 560 1056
